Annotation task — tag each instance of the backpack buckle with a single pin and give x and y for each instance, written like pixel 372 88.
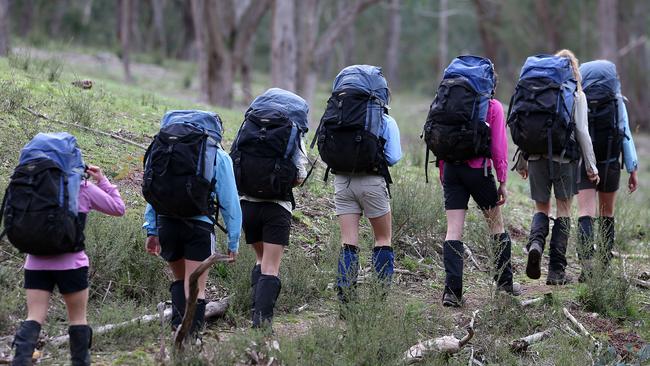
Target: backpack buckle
pixel 357 138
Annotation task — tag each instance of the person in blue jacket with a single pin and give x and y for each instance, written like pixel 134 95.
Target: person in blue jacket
pixel 184 246
pixel 597 76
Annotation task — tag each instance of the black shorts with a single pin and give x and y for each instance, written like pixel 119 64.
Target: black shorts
pixel 610 177
pixel 265 221
pixel 185 239
pixel 460 181
pixel 68 281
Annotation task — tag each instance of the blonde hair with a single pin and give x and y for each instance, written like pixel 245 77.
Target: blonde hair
pixel 575 65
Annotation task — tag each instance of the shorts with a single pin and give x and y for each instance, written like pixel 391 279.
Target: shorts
pixel 265 222
pixel 185 239
pixel 362 195
pixel 563 180
pixel 609 178
pixel 68 281
pixel 460 181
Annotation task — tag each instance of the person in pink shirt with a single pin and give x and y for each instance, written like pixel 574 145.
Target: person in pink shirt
pixel 474 178
pixel 68 272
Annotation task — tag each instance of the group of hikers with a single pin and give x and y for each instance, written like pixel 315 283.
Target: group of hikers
pixel 569 122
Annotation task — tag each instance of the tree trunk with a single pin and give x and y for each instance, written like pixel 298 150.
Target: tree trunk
pixel 136 34
pixel 487 17
pixel 158 7
pixel 443 37
pixel 607 24
pixel 125 37
pixel 307 27
pixel 4 28
pixel 246 73
pixel 189 38
pixel 549 25
pixel 87 12
pixel 57 18
pixel 392 51
pixel 283 46
pixel 27 17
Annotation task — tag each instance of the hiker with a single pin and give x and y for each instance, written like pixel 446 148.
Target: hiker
pixel 611 136
pixel 187 176
pixel 358 141
pixel 468 142
pixel 269 158
pixel 45 212
pixel 548 117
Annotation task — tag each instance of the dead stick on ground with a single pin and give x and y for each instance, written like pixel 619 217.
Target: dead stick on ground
pixel 630 256
pixel 522 344
pixel 75 125
pixel 641 283
pixel 161 314
pixel 468 252
pixel 581 327
pixel 190 304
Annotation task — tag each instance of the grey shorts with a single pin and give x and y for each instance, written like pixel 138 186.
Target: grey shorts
pixel 563 181
pixel 363 195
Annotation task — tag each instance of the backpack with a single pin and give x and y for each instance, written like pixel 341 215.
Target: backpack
pixel 267 139
pixel 540 115
pixel 40 206
pixel 602 88
pixel 179 164
pixel 456 128
pixel 349 132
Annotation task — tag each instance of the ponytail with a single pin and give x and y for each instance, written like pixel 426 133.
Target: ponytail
pixel 575 65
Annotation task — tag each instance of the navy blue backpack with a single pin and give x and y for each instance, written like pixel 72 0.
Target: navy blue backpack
pixel 40 206
pixel 266 142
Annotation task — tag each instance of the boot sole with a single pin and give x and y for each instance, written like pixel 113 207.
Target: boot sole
pixel 533 268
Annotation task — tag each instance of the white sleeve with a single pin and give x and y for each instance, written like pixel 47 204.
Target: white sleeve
pixel 582 132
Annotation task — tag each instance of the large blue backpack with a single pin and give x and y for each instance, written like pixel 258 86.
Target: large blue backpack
pixel 179 165
pixel 265 144
pixel 456 128
pixel 349 134
pixel 40 207
pixel 540 115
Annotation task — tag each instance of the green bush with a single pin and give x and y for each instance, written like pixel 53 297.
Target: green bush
pixel 12 96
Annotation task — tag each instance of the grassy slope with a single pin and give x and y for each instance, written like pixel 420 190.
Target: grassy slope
pixel 125 282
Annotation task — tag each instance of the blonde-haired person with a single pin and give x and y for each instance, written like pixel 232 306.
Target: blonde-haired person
pixel 561 175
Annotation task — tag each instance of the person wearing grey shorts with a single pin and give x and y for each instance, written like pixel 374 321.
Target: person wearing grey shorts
pixel 561 177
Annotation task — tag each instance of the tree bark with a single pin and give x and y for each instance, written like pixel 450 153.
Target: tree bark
pixel 57 17
pixel 549 25
pixel 4 28
pixel 487 17
pixel 283 45
pixel 443 37
pixel 392 51
pixel 125 37
pixel 158 7
pixel 87 12
pixel 607 23
pixel 27 17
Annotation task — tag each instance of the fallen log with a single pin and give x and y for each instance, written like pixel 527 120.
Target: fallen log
pixel 446 344
pixel 522 344
pixel 190 304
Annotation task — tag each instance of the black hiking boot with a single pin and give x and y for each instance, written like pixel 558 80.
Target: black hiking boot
pixel 557 254
pixel 451 300
pixel 513 289
pixel 536 242
pixel 25 342
pixel 80 340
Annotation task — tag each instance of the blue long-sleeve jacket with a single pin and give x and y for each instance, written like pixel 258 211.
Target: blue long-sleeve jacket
pixel 629 150
pixel 392 148
pixel 229 207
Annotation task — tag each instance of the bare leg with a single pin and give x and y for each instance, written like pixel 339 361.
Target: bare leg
pixel 178 269
pixel 271 260
pixel 587 202
pixel 76 303
pixel 494 220
pixel 190 266
pixel 349 224
pixel 259 251
pixel 38 301
pixel 607 203
pixel 455 223
pixel 382 229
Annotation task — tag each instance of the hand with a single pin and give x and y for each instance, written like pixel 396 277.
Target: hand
pixel 502 194
pixel 232 255
pixel 594 178
pixel 95 172
pixel 633 182
pixel 298 182
pixel 152 245
pixel 523 173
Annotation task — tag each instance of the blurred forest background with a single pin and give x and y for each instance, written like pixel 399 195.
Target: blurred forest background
pixel 301 42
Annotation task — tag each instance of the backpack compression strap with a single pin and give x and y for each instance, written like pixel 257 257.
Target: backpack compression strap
pixel 2 212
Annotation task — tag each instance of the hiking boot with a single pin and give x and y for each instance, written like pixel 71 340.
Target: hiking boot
pixel 534 264
pixel 558 278
pixel 25 342
pixel 513 289
pixel 451 300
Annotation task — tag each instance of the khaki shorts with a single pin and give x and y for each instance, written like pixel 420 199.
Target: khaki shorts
pixel 363 195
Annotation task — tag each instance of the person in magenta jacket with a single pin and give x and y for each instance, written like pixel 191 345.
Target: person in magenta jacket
pixel 68 272
pixel 474 178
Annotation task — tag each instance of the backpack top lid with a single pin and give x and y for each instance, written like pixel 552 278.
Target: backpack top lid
pixel 291 105
pixel 364 77
pixel 478 70
pixel 556 68
pixel 60 147
pixel 208 120
pixel 601 72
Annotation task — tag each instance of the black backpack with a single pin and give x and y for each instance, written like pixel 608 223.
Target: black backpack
pixel 603 122
pixel 348 136
pixel 40 206
pixel 265 144
pixel 179 165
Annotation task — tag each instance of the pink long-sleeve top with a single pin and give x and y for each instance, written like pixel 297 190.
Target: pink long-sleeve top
pixel 103 197
pixel 499 143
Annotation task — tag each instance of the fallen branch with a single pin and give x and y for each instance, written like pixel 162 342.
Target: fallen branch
pixel 522 344
pixel 470 255
pixel 581 327
pixel 532 301
pixel 630 256
pixel 640 283
pixel 75 125
pixel 446 344
pixel 190 304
